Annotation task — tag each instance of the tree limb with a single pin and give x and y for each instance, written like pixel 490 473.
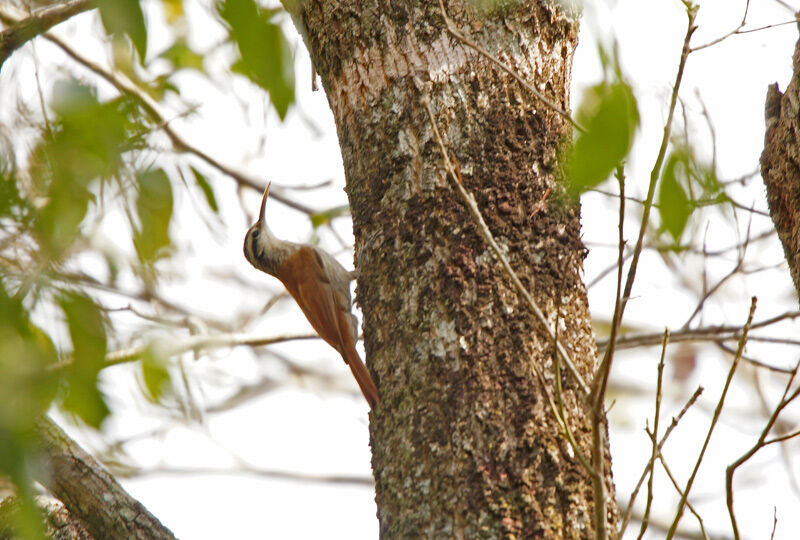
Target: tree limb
pixel 21 32
pixel 89 492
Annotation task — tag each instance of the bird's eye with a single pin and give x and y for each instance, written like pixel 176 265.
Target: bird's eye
pixel 255 234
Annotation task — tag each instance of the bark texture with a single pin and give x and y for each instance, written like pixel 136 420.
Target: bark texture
pixel 90 493
pixel 464 442
pixel 780 166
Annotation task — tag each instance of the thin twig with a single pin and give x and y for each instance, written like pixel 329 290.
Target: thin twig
pixel 152 109
pixel 760 443
pixel 715 417
pixel 691 12
pixel 654 437
pixel 480 50
pixel 626 517
pixel 248 471
pixel 740 30
pixel 600 382
pixel 484 231
pixel 738 267
pixel 774 522
pixel 171 347
pixel 704 333
pixel 671 477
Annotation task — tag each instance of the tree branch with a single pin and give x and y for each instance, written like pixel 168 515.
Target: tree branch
pixel 22 31
pixel 717 412
pixel 89 492
pixel 153 110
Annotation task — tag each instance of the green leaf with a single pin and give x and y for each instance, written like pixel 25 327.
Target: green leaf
pixel 610 117
pixel 674 205
pixel 207 191
pixel 87 140
pixel 156 378
pixel 265 54
pixel 154 208
pixel 181 56
pixel 10 200
pixel 125 17
pixel 27 388
pixel 173 9
pixel 88 333
pixel 26 351
pixel 322 218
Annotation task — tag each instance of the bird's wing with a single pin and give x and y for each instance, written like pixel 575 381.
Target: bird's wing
pixel 310 285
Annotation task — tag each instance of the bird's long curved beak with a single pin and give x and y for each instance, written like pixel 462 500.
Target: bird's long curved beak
pixel 262 214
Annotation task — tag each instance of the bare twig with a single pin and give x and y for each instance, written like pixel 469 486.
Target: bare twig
pixel 705 333
pixel 250 471
pixel 152 109
pixel 774 522
pixel 729 34
pixel 172 347
pixel 691 12
pixel 715 417
pixel 626 517
pixel 739 30
pixel 600 382
pixel 480 50
pixel 760 443
pixel 654 436
pixel 678 489
pixel 489 237
pixel 710 291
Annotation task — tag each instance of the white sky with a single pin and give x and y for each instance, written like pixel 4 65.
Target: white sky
pixel 323 433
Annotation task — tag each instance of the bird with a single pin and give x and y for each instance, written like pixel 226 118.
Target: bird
pixel 319 285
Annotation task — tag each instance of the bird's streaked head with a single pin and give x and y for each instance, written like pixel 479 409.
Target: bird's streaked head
pixel 257 234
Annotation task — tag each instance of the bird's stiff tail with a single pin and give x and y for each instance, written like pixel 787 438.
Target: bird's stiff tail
pixel 363 378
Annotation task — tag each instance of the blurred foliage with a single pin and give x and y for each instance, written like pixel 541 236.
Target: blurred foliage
pixel 87 331
pixel 181 56
pixel 265 55
pixel 609 116
pixel 686 185
pixel 90 155
pixel 155 376
pixel 324 217
pixel 208 192
pixel 154 208
pixel 85 143
pixel 125 17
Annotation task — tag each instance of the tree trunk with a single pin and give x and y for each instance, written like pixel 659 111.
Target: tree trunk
pixel 780 166
pixel 464 442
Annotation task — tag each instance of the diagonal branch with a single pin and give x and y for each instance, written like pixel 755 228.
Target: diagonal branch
pixel 89 492
pixel 153 110
pixel 675 419
pixel 22 31
pixel 717 412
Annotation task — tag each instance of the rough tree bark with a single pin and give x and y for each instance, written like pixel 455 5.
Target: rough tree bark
pixel 90 493
pixel 464 443
pixel 780 166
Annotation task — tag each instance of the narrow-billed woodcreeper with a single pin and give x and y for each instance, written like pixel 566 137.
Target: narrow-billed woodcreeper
pixel 319 285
